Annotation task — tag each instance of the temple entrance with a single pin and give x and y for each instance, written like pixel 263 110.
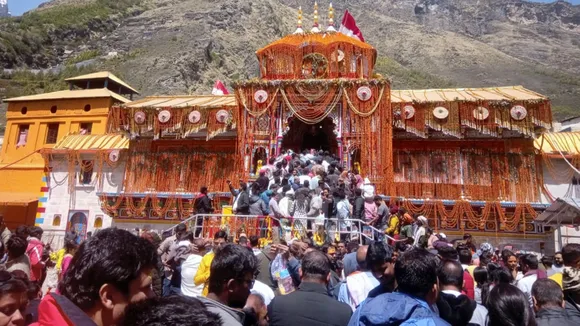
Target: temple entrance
pixel 303 136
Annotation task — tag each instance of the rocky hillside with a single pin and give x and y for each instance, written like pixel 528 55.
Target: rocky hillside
pixel 177 46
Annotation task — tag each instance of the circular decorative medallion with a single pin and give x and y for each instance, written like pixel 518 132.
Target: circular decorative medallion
pixel 164 116
pixel 222 116
pixel 364 93
pixel 194 117
pixel 440 112
pixel 409 111
pixel 260 96
pixel 337 56
pixel 480 113
pixel 114 155
pixel 518 112
pixel 139 117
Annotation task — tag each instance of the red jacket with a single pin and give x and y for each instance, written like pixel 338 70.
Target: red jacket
pixel 34 252
pixel 468 285
pixel 57 310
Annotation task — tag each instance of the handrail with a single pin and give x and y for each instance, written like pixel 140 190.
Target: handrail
pixel 335 221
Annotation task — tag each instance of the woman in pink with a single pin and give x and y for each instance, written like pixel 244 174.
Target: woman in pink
pixel 70 248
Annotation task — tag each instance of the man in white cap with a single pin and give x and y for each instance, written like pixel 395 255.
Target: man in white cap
pixel 421 230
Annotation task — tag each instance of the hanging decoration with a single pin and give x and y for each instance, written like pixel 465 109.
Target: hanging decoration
pixel 164 116
pixel 364 93
pixel 140 117
pixel 440 112
pixel 518 112
pixel 409 112
pixel 194 116
pixel 481 113
pixel 222 116
pixel 261 96
pixel 114 156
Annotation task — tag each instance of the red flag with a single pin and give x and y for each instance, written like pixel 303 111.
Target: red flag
pixel 219 89
pixel 348 27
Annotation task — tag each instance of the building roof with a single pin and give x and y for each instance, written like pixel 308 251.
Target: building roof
pixel 508 93
pixel 67 94
pixel 183 101
pixel 554 142
pixel 17 198
pixel 308 39
pixel 103 75
pixel 89 143
pixel 562 211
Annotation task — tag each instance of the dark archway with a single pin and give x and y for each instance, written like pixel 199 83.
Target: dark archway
pixel 302 136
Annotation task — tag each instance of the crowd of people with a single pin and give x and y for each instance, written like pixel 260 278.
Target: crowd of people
pixel 406 274
pixel 116 277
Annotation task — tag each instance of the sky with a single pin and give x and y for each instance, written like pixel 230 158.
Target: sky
pixel 17 7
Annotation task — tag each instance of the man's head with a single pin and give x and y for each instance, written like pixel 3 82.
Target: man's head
pixel 358 192
pixel 464 255
pixel 256 308
pixel 416 274
pixel 203 190
pixel 571 255
pixel 232 275
pixel 35 232
pixel 219 240
pixel 22 231
pixel 447 252
pixel 558 260
pixel 13 299
pixel 547 293
pixel 254 241
pixel 361 257
pixel 547 261
pixel 315 267
pixel 243 241
pixel 306 184
pixel 468 238
pixel 172 310
pixel 16 246
pixel 110 270
pixel 379 260
pixel 528 263
pixel 450 275
pixel 378 200
pixel 341 247
pixel 180 230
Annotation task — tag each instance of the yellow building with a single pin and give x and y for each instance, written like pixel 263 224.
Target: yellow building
pixel 38 122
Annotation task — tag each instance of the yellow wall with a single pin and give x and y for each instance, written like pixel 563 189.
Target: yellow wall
pixel 21 169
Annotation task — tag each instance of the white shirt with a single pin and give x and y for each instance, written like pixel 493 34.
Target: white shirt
pixel 256 251
pixel 302 178
pixel 188 270
pixel 525 285
pixel 264 291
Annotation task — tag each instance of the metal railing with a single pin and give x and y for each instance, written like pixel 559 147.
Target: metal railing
pixel 206 225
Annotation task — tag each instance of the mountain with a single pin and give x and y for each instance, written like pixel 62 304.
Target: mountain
pixel 172 46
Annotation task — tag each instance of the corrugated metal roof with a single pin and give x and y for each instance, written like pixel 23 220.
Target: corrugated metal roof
pixel 183 101
pixel 566 142
pixel 92 142
pixel 103 74
pixel 74 94
pixel 508 93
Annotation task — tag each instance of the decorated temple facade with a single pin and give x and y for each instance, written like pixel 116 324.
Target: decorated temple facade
pixel 465 158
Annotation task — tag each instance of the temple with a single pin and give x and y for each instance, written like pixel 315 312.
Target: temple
pixel 465 158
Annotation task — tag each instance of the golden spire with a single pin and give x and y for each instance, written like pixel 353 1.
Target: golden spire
pixel 299 29
pixel 330 27
pixel 315 26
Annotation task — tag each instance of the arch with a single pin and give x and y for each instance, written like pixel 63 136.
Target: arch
pixel 53 109
pixel 260 155
pixel 78 222
pixel 24 110
pixel 56 220
pixel 98 222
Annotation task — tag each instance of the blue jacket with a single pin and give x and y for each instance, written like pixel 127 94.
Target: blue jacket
pixel 395 309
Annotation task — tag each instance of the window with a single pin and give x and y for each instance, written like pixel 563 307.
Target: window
pixel 87 108
pixel 24 110
pixel 86 174
pixel 86 128
pixel 56 220
pixel 52 133
pixel 22 135
pixel 53 109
